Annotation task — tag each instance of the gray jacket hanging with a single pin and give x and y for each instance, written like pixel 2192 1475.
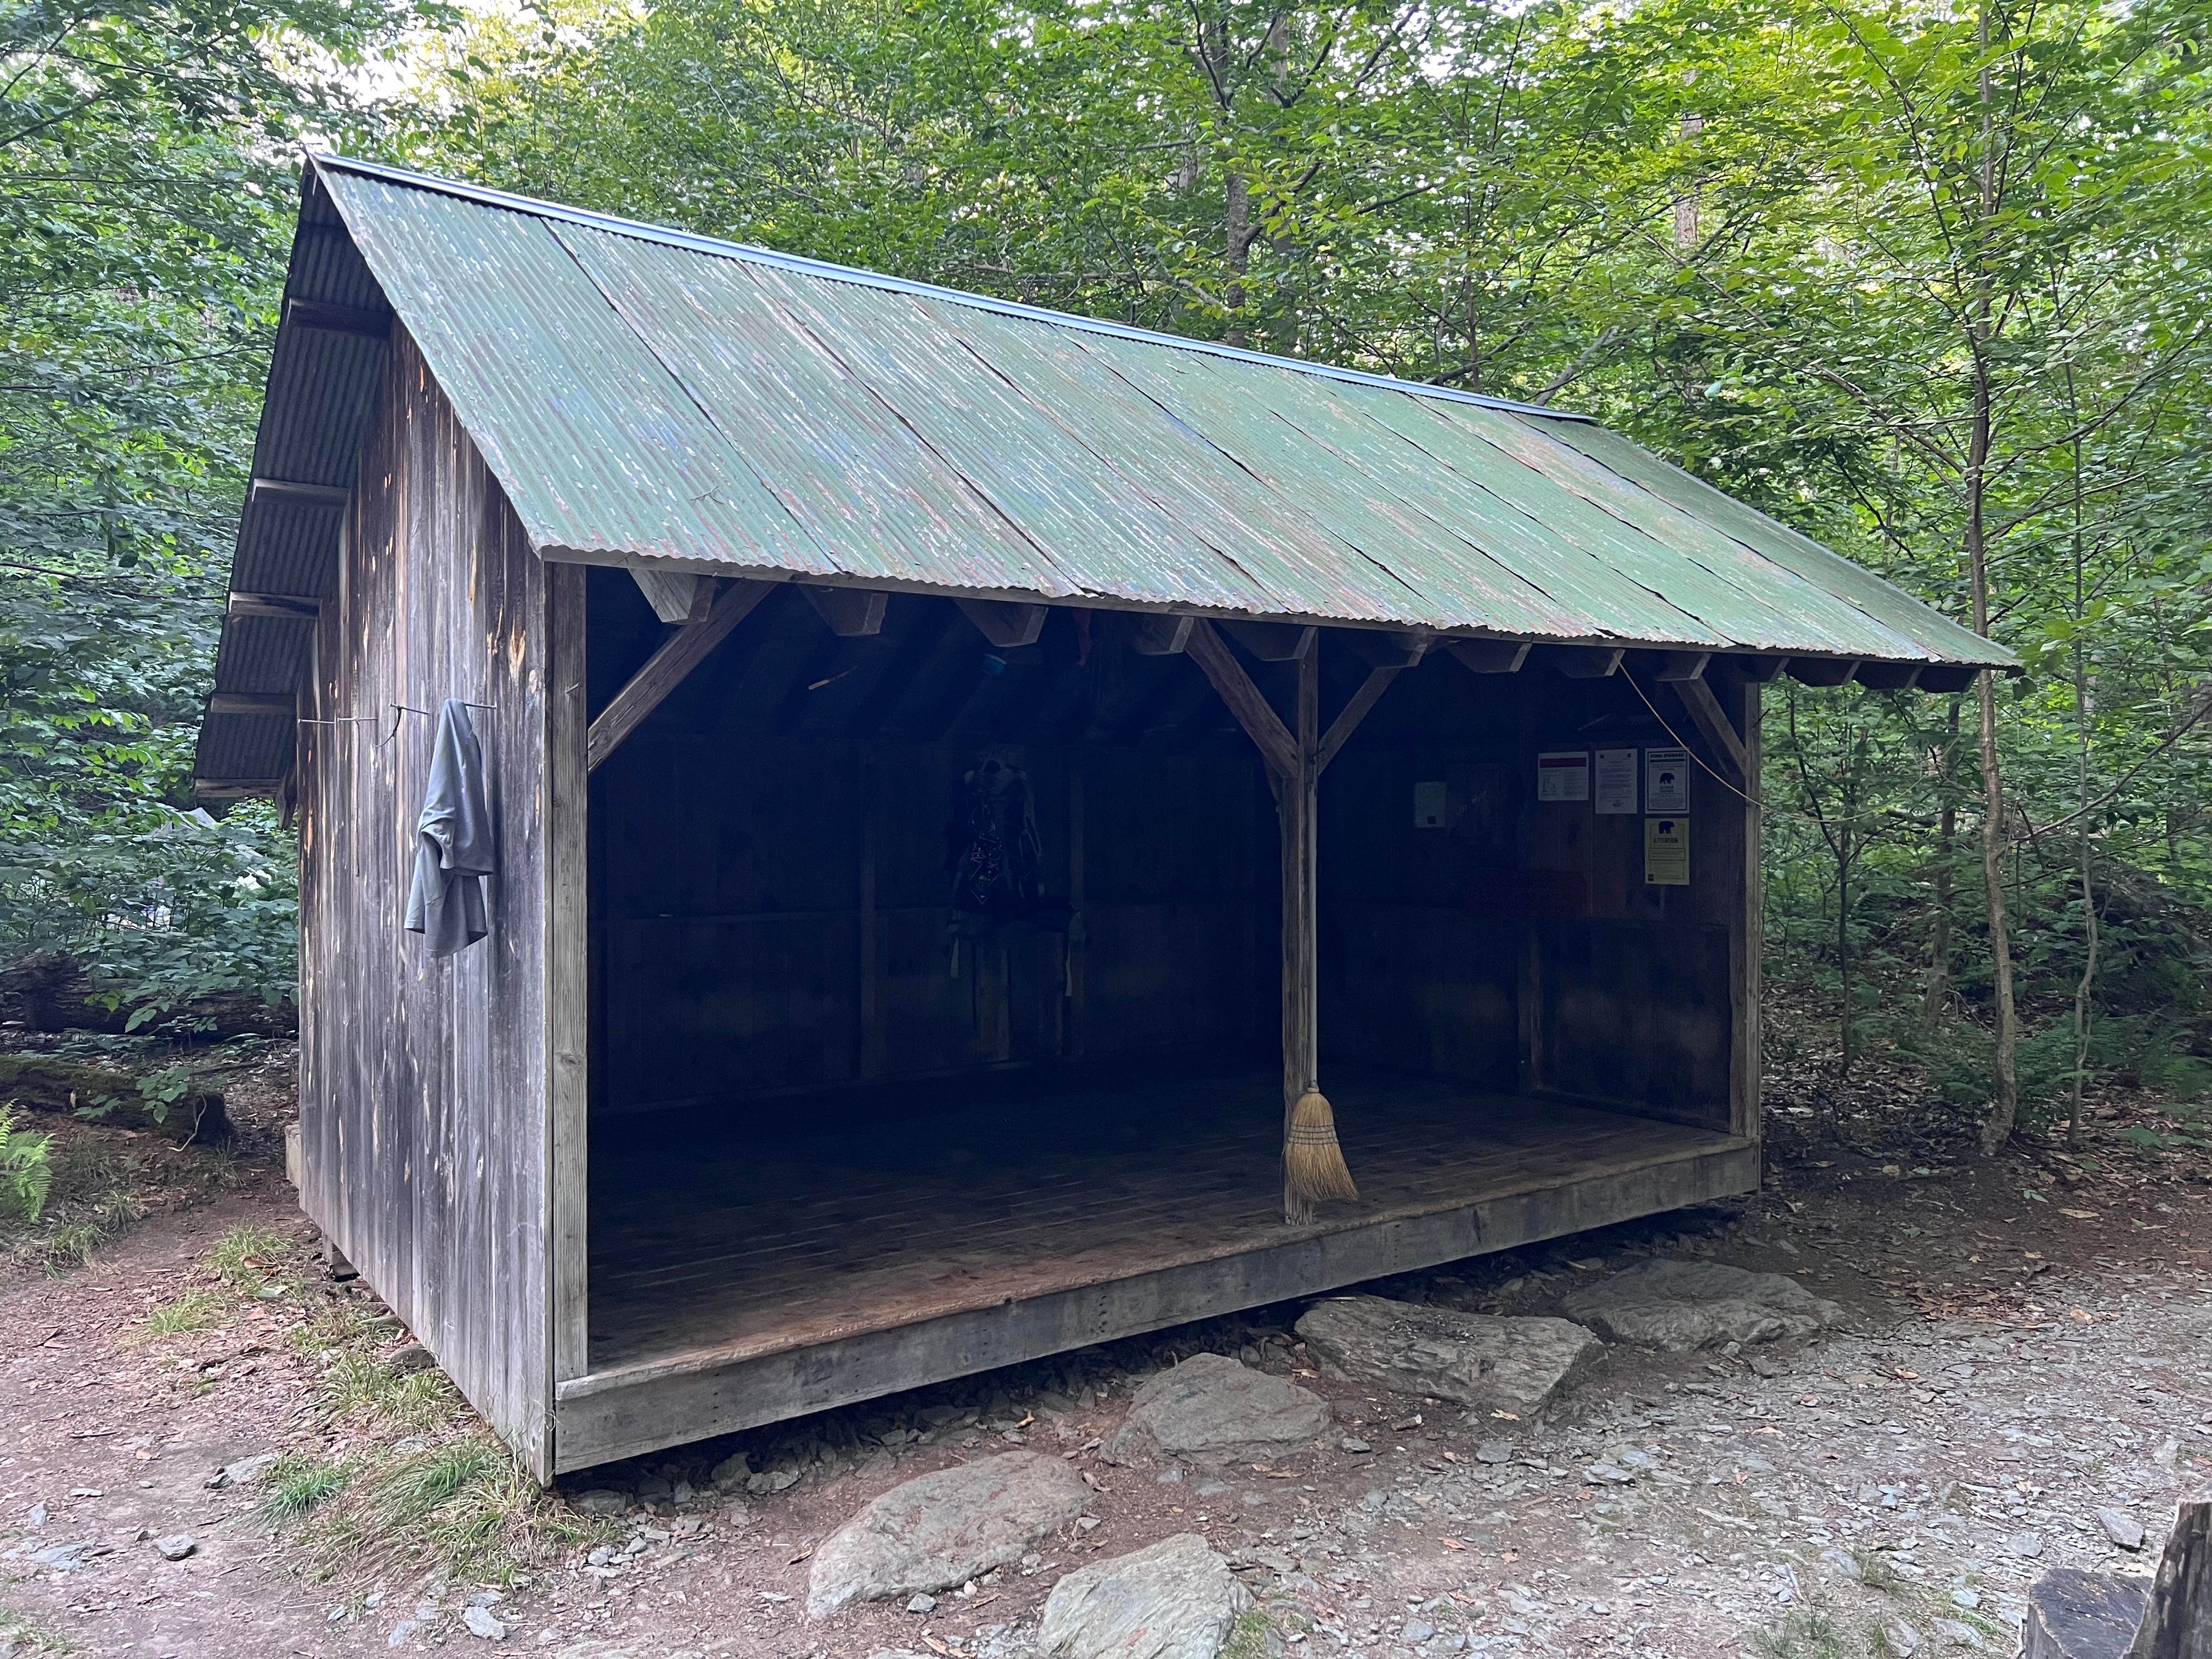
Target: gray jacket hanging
pixel 454 841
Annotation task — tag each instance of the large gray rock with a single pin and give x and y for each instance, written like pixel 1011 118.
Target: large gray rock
pixel 1173 1599
pixel 1473 1359
pixel 944 1529
pixel 1684 1305
pixel 1210 1409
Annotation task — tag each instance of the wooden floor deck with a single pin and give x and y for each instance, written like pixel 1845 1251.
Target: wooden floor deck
pixel 745 1282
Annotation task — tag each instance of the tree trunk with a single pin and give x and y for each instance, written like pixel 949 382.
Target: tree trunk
pixel 1936 997
pixel 1239 245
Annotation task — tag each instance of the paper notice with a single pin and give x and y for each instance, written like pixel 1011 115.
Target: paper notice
pixel 1431 803
pixel 1666 780
pixel 1667 852
pixel 1562 775
pixel 1615 779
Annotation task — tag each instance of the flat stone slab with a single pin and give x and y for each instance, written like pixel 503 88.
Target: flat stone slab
pixel 1681 1306
pixel 1472 1359
pixel 2072 1615
pixel 1173 1599
pixel 1210 1409
pixel 943 1529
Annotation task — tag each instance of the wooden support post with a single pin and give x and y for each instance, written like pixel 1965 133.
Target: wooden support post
pixel 667 667
pixel 1296 802
pixel 1295 757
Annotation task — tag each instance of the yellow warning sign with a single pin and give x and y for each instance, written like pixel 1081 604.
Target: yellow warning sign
pixel 1667 852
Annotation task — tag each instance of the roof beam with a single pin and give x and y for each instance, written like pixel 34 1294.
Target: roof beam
pixel 1823 670
pixel 1253 712
pixel 1760 670
pixel 270 703
pixel 1676 666
pixel 1383 647
pixel 1584 662
pixel 1151 634
pixel 288 607
pixel 1948 675
pixel 851 612
pixel 327 318
pixel 235 788
pixel 668 667
pixel 292 492
pixel 1272 642
pixel 1005 624
pixel 1712 722
pixel 671 593
pixel 1890 676
pixel 1488 656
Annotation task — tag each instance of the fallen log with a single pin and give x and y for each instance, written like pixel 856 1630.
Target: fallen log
pixel 42 1083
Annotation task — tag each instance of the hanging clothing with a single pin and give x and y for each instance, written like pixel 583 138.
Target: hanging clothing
pixel 454 841
pixel 992 853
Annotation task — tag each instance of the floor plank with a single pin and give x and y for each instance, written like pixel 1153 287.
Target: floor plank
pixel 787 1239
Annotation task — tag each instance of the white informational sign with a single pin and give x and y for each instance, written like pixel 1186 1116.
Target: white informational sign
pixel 1431 801
pixel 1666 780
pixel 1562 775
pixel 1667 852
pixel 1615 780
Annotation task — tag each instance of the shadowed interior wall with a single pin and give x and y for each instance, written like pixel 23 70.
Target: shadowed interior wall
pixel 772 901
pixel 423 1083
pixel 1514 944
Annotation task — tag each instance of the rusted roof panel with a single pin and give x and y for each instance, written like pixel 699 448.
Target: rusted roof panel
pixel 645 394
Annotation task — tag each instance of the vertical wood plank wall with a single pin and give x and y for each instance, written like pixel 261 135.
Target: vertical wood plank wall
pixel 423 1088
pixel 1519 947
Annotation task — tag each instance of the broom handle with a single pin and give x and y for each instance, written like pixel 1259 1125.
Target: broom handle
pixel 1295 805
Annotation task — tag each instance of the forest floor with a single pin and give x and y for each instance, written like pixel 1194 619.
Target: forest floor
pixel 2030 1341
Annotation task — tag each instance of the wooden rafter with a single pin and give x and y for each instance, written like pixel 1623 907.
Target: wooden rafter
pixel 1712 722
pixel 668 667
pixel 1262 724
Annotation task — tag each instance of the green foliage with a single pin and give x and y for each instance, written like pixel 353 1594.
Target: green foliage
pixel 27 1174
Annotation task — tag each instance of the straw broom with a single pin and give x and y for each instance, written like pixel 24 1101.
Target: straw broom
pixel 1314 1169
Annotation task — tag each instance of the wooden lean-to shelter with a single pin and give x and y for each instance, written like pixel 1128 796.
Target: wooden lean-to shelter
pixel 958 772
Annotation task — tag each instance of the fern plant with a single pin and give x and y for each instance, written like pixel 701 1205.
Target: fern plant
pixel 26 1172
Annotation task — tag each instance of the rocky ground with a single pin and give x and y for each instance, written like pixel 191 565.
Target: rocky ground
pixel 1984 1370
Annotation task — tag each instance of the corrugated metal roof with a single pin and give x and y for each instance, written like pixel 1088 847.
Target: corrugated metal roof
pixel 646 395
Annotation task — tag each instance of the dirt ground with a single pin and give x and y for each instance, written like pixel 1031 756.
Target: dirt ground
pixel 2030 1342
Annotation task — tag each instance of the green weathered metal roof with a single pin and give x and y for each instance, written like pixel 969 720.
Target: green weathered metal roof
pixel 644 395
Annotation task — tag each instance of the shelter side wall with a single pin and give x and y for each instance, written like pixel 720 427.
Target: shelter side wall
pixel 1473 930
pixel 423 1084
pixel 772 915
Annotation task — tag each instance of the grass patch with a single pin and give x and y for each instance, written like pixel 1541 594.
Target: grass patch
pixel 19 1636
pixel 465 1508
pixel 360 1385
pixel 195 1311
pixel 247 1258
pixel 1807 1634
pixel 1248 1636
pixel 297 1485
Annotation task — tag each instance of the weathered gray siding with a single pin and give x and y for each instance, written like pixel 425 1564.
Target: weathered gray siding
pixel 423 1087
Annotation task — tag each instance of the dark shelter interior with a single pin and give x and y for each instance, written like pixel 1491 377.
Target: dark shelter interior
pixel 928 972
